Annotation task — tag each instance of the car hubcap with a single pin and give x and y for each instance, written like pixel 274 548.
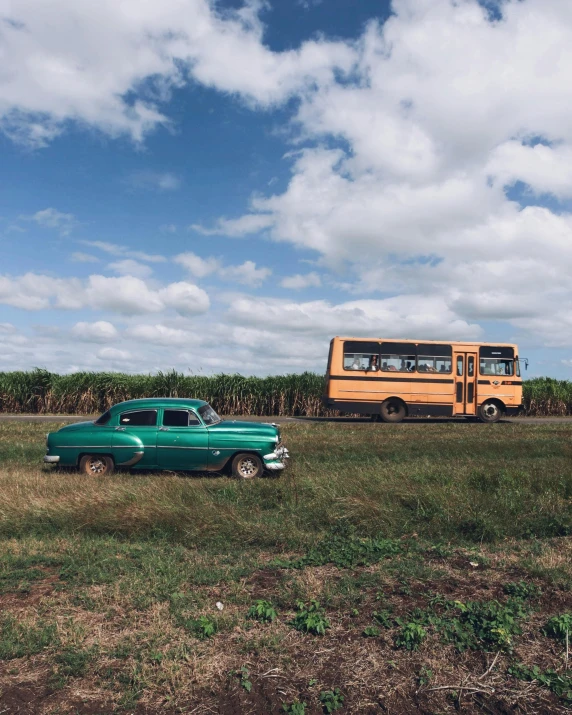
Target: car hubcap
pixel 247 468
pixel 97 466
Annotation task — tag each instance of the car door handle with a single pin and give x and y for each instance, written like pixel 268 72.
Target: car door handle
pixel 120 429
pixel 163 429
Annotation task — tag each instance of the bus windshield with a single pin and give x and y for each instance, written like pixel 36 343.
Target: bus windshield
pixel 496 366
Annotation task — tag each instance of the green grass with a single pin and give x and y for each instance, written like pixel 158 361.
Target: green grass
pixel 445 544
pixel 468 482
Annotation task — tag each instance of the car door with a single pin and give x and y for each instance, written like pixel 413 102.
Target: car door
pixel 136 429
pixel 182 441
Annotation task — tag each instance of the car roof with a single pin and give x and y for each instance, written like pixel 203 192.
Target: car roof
pixel 155 402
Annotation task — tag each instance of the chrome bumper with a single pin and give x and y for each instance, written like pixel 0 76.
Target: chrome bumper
pixel 275 461
pixel 49 459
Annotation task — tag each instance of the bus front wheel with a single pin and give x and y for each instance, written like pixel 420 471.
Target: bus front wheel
pixel 392 410
pixel 490 411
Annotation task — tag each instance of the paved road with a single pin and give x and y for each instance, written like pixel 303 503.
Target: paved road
pixel 5 417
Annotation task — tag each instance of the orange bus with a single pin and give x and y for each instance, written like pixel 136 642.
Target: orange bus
pixel 393 379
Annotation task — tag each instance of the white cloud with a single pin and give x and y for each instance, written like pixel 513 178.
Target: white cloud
pixel 129 267
pixel 148 180
pixel 80 257
pixel 126 295
pixel 115 249
pixel 168 228
pixel 197 266
pixel 112 66
pixel 98 332
pixel 247 273
pixel 52 218
pixel 402 316
pixel 113 355
pixel 161 335
pixel 251 223
pixel 299 281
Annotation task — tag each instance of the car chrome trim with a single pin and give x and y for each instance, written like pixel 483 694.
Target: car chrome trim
pixel 275 466
pixel 51 459
pixel 170 446
pixel 136 458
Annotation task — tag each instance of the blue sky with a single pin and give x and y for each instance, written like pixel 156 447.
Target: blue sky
pixel 225 186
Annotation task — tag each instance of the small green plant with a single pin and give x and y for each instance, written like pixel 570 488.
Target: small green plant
pixel 410 636
pixel 522 590
pixel 245 679
pixel 424 676
pixel 559 627
pixel 262 611
pixel 371 632
pixel 310 618
pixel 559 684
pixel 203 627
pixel 383 618
pixel 295 708
pixel 331 700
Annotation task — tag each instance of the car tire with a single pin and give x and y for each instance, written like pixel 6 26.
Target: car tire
pixel 490 411
pixel 247 466
pixel 96 465
pixel 392 410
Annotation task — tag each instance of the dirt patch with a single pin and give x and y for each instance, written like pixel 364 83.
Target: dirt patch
pixel 15 600
pixel 265 581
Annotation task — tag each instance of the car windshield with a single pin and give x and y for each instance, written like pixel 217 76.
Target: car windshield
pixel 208 415
pixel 103 419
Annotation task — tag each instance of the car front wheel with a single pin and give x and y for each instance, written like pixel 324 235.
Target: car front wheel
pixel 247 466
pixel 96 465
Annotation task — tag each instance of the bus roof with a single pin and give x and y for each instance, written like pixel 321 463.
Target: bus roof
pixel 425 342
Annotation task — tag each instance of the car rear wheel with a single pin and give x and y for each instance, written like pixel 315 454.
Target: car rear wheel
pixel 96 465
pixel 247 466
pixel 392 410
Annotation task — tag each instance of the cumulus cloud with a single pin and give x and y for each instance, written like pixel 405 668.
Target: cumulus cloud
pixel 113 66
pixel 126 294
pixel 113 355
pixel 100 331
pixel 246 273
pixel 130 267
pixel 299 281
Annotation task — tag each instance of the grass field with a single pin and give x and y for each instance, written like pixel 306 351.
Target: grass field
pixel 393 568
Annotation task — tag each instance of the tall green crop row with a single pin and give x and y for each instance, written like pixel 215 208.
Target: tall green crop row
pixel 40 391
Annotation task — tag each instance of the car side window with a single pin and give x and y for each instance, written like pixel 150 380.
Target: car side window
pixel 180 418
pixel 139 418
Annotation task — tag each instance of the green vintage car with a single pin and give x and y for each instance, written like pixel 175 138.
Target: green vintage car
pixel 167 433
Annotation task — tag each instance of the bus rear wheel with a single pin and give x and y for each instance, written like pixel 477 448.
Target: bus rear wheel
pixel 490 411
pixel 392 410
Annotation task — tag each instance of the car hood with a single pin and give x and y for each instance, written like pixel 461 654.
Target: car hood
pixel 253 429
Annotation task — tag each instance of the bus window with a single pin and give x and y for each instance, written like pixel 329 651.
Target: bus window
pixel 398 363
pixel 434 358
pixel 460 365
pixel 361 355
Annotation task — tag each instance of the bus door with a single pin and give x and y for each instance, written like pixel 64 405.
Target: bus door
pixel 465 366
